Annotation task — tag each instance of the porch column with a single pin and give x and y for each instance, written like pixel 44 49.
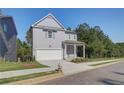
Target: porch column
pixel 83 51
pixel 75 51
pixel 65 46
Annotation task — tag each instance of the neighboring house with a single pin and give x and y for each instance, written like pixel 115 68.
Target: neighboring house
pixel 7 38
pixel 51 41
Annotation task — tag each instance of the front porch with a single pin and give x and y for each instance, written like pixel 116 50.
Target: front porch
pixel 73 49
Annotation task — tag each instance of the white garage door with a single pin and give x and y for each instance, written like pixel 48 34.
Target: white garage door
pixel 53 54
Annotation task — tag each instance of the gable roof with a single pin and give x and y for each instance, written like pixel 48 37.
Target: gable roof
pixel 52 18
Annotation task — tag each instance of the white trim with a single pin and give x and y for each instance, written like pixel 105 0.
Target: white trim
pixel 49 28
pixel 48 49
pixel 46 17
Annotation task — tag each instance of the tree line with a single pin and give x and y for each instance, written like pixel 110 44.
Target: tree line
pixel 98 44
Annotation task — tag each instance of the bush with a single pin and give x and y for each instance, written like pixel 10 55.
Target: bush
pixel 27 58
pixel 78 60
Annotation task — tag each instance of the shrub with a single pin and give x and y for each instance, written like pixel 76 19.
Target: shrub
pixel 27 58
pixel 78 60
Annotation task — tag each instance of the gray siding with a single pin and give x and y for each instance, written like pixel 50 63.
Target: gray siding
pixel 11 54
pixel 8 43
pixel 41 40
pixel 49 22
pixel 70 36
pixel 0 48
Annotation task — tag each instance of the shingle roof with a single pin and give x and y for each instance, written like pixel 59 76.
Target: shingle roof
pixel 68 31
pixel 4 16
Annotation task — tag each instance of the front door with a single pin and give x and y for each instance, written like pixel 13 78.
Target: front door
pixel 79 51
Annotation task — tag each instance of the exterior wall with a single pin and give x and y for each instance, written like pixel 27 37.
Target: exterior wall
pixel 0 48
pixel 49 22
pixel 41 40
pixel 71 35
pixel 11 53
pixel 8 51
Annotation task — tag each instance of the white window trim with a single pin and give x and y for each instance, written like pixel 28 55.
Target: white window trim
pixel 74 36
pixel 50 34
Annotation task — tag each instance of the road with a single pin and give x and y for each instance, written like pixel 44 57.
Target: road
pixel 109 75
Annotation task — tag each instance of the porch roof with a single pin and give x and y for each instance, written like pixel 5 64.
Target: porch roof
pixel 73 42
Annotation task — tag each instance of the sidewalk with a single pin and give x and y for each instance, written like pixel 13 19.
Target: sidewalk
pixel 69 68
pixel 91 63
pixel 36 80
pixel 8 74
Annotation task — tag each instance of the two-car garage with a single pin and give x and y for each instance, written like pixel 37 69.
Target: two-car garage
pixel 48 54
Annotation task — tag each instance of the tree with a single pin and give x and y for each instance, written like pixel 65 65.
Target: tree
pixel 29 37
pixel 19 45
pixel 98 44
pixel 23 49
pixel 69 28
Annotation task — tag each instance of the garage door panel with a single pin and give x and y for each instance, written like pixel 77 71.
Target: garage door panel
pixel 49 54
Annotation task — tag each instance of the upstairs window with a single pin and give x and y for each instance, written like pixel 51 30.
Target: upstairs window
pixel 49 34
pixel 74 37
pixel 5 27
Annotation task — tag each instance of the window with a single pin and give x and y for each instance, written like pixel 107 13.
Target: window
pixel 69 36
pixel 49 34
pixel 70 49
pixel 74 37
pixel 5 27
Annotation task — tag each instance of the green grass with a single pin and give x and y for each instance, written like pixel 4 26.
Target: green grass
pixel 18 78
pixel 9 66
pixel 102 63
pixel 98 59
pixel 81 60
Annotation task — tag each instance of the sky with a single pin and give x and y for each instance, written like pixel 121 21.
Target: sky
pixel 111 21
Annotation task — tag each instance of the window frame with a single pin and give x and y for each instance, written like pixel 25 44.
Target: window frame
pixel 5 27
pixel 74 36
pixel 50 34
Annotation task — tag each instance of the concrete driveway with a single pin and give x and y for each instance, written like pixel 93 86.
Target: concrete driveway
pixel 68 68
pixel 109 75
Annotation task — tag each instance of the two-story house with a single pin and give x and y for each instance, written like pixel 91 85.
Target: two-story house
pixel 8 35
pixel 51 41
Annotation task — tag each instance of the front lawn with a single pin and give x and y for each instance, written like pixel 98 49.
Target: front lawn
pixel 8 66
pixel 81 60
pixel 102 63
